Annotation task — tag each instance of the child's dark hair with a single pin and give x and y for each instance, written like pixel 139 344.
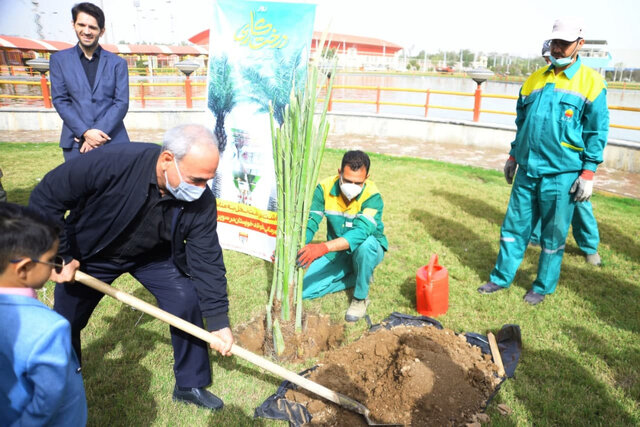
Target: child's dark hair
pixel 23 233
pixel 355 159
pixel 89 9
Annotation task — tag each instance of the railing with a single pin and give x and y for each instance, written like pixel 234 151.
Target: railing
pixel 143 92
pixel 478 95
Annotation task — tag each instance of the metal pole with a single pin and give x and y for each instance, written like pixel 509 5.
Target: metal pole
pixel 187 90
pixel 476 104
pixel 426 105
pixel 45 90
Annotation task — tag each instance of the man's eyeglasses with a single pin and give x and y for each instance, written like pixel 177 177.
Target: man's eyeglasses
pixel 57 264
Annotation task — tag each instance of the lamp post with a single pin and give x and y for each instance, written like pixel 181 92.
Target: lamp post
pixel 42 65
pixel 187 67
pixel 479 75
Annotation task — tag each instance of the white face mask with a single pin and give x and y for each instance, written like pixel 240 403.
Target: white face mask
pixel 184 191
pixel 350 191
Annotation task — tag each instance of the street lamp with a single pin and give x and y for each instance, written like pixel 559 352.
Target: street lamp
pixel 42 66
pixel 187 67
pixel 479 75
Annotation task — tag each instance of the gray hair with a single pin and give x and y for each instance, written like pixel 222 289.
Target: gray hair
pixel 181 138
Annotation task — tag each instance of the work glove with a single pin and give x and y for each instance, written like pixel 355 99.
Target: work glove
pixel 510 169
pixel 582 188
pixel 310 253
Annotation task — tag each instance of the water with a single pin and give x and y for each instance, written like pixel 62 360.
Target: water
pixel 615 97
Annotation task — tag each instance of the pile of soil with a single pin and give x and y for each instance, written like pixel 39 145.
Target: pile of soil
pixel 318 335
pixel 419 376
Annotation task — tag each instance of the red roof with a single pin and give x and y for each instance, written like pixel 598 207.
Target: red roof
pixel 21 43
pixel 10 42
pixel 202 38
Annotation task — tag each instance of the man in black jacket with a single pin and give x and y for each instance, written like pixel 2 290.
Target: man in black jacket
pixel 146 210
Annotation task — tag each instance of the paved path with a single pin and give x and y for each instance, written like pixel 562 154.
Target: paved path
pixel 607 180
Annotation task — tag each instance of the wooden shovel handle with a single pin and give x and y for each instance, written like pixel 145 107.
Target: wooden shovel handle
pixel 495 352
pixel 198 332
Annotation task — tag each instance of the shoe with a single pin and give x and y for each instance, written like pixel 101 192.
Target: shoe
pixel 357 310
pixel 197 396
pixel 533 298
pixel 489 288
pixel 593 259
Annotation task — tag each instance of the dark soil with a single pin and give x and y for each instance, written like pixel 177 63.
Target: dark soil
pixel 418 376
pixel 318 335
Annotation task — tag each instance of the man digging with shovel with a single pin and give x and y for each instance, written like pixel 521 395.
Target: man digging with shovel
pixel 146 210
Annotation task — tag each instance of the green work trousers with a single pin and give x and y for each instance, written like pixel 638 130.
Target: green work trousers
pixel 584 226
pixel 347 270
pixel 545 199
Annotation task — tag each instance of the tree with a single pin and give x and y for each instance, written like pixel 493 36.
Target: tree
pixel 298 144
pixel 275 89
pixel 221 100
pixel 221 96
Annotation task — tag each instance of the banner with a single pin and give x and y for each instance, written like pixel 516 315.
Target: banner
pixel 258 51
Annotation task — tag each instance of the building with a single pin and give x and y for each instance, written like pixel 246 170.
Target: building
pixel 353 52
pixel 147 58
pixel 595 54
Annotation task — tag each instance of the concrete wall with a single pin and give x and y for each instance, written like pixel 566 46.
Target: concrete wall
pixel 622 155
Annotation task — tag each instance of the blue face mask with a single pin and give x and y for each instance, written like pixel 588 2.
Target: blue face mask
pixel 184 191
pixel 562 62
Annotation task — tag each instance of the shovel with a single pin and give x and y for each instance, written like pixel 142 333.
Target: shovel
pixel 190 328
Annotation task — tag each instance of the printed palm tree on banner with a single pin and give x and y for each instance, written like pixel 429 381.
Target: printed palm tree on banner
pixel 221 100
pixel 275 89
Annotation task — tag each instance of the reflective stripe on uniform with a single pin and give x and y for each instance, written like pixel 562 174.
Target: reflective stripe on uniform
pixel 553 251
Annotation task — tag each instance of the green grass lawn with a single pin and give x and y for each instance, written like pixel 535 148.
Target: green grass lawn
pixel 580 362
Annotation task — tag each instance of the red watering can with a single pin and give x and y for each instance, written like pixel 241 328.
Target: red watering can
pixel 432 288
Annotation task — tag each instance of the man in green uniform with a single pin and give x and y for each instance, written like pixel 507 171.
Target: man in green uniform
pixel 584 225
pixel 355 235
pixel 562 125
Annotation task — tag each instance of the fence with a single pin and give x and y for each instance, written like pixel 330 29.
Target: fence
pixel 187 91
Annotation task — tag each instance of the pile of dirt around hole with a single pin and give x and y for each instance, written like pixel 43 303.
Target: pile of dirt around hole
pixel 318 335
pixel 418 376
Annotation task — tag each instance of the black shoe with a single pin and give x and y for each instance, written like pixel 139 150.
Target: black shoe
pixel 197 396
pixel 489 288
pixel 533 298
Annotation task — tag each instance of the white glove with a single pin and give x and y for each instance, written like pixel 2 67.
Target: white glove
pixel 510 170
pixel 582 189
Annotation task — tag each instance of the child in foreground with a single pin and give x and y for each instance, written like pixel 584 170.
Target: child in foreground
pixel 40 379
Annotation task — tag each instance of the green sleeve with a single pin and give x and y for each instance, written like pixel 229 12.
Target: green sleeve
pixel 315 214
pixel 519 121
pixel 595 130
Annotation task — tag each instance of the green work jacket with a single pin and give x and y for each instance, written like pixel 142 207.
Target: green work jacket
pixel 355 221
pixel 562 121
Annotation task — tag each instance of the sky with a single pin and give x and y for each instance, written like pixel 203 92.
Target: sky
pixel 515 27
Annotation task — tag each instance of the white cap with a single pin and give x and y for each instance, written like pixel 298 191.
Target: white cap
pixel 568 29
